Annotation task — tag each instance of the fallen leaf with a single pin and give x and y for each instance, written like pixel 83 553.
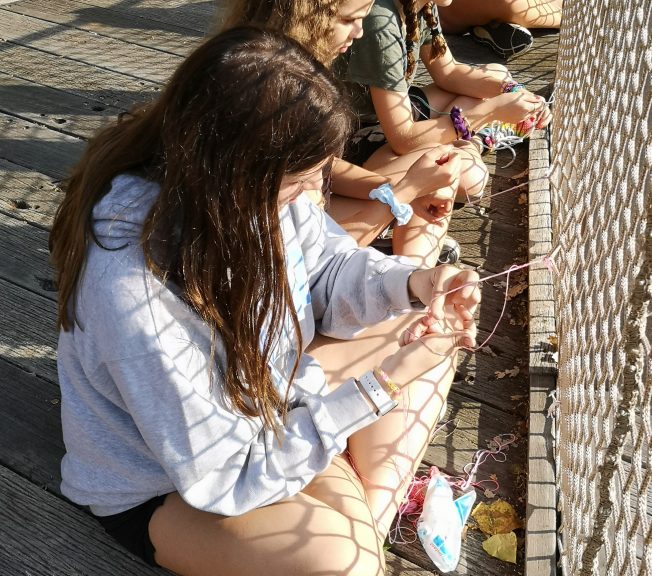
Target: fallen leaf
pixel 517 397
pixel 554 342
pixel 522 198
pixel 516 289
pixel 499 517
pixel 493 477
pixel 489 494
pixel 520 175
pixel 501 546
pixel 510 372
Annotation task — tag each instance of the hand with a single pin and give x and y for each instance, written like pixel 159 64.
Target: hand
pixel 430 342
pixel 516 107
pixel 432 287
pixel 433 210
pixel 436 173
pixel 457 321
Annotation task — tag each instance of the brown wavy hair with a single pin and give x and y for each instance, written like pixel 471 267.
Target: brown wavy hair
pixel 308 22
pixel 245 108
pixel 412 32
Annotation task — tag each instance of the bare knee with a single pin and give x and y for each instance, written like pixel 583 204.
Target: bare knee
pixel 475 174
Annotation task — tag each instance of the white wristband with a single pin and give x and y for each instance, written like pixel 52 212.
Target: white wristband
pixel 376 393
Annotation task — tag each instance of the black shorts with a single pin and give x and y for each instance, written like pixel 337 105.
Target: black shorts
pixel 370 137
pixel 131 528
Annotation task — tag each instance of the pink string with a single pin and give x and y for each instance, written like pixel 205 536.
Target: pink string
pixel 547 261
pixel 412 507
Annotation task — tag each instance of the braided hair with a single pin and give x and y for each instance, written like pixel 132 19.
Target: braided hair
pixel 438 46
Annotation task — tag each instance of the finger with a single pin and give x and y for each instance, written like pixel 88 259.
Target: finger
pixel 465 339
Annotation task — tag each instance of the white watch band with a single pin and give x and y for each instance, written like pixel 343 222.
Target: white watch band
pixel 376 393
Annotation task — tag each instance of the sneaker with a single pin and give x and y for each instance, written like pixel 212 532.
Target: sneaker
pixel 450 251
pixel 501 136
pixel 503 38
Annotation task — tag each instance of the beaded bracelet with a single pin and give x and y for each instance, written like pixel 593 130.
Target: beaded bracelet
pixel 511 86
pixel 460 123
pixel 385 380
pixel 384 193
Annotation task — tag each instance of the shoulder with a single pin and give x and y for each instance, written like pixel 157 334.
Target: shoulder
pixel 378 58
pixel 383 17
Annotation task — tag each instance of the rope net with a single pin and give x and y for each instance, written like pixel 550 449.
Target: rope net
pixel 602 189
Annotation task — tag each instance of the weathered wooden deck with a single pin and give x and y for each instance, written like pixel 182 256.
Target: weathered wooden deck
pixel 66 67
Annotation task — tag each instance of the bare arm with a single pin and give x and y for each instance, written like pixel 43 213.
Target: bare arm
pixel 433 173
pixel 394 112
pixel 459 78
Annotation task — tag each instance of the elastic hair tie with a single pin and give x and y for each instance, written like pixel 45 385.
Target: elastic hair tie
pixel 385 194
pixel 460 123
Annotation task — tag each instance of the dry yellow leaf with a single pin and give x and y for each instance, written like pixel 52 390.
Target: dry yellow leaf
pixel 516 289
pixel 522 198
pixel 511 372
pixel 554 341
pixel 499 517
pixel 501 546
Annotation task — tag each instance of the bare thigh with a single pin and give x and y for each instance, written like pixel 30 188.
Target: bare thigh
pixel 462 14
pixel 326 529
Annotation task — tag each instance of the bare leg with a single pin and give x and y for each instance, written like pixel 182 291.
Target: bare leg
pixel 327 529
pixel 387 453
pixel 461 15
pixel 338 523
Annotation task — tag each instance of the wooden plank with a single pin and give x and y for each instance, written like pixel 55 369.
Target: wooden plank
pixel 126 26
pixel 97 86
pixel 31 442
pixel 541 292
pixel 28 195
pixel 472 426
pixel 192 14
pixel 41 535
pixel 26 261
pixel 541 518
pixel 541 525
pixel 37 147
pixel 28 336
pixel 61 111
pixel 87 47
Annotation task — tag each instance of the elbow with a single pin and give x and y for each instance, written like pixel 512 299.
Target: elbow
pixel 401 145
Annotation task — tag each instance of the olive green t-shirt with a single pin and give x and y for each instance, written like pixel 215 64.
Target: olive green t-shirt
pixel 379 58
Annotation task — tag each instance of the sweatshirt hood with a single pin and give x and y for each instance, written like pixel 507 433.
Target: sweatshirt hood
pixel 119 216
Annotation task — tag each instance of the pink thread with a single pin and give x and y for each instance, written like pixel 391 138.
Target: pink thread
pixel 547 261
pixel 412 506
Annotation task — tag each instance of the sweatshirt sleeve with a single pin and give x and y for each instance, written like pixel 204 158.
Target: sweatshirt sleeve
pixel 219 460
pixel 351 287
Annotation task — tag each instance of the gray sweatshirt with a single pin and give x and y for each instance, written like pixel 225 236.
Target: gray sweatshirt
pixel 139 415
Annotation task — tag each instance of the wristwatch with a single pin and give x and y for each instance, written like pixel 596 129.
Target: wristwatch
pixel 376 393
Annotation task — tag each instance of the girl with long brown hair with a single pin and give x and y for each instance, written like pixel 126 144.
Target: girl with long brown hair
pixel 327 29
pixel 207 425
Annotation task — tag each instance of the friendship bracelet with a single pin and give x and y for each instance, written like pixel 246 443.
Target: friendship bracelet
pixel 511 86
pixel 376 393
pixel 385 380
pixel 460 123
pixel 385 194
